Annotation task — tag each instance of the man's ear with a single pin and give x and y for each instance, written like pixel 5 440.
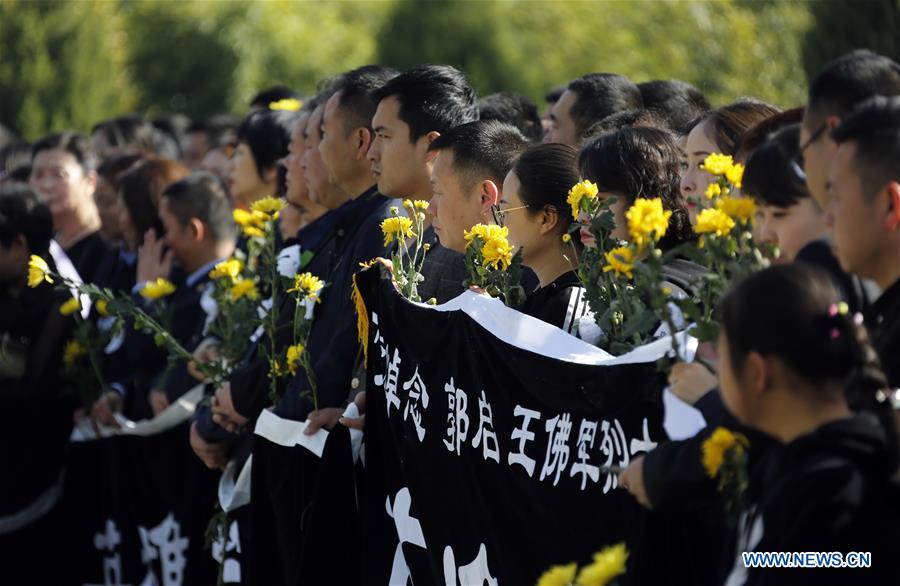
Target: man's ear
pixel 363 138
pixel 429 138
pixel 832 122
pixel 271 174
pixel 91 181
pixel 757 373
pixel 893 219
pixel 198 229
pixel 490 196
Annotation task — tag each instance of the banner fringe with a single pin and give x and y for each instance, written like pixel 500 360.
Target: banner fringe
pixel 362 320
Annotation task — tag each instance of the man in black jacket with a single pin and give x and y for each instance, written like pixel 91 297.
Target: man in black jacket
pixel 34 405
pixel 864 215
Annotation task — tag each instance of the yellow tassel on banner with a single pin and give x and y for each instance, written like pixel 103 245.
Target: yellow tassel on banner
pixel 362 320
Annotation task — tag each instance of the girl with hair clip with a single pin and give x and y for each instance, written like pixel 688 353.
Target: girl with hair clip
pixel 796 366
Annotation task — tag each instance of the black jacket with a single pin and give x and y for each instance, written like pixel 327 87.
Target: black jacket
pixel 882 319
pixel 827 491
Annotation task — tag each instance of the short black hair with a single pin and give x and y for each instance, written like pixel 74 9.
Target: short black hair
pixel 677 102
pixel 599 95
pixel 552 96
pixel 762 131
pixel 626 119
pixel 640 162
pixel 433 98
pixel 202 195
pixel 774 172
pixel 267 133
pixel 874 125
pixel 355 88
pixel 513 108
pixel 22 212
pixel 273 94
pixel 848 80
pixel 482 149
pixel 129 130
pixel 73 143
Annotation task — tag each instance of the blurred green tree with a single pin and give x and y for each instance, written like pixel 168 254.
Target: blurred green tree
pixel 61 65
pixel 840 27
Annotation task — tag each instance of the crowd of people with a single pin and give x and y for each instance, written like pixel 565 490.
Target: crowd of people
pixel 807 364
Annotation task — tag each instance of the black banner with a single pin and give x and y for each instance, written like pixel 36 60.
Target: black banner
pixel 135 510
pixel 491 442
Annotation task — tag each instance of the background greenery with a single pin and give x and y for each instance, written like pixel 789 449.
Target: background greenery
pixel 71 63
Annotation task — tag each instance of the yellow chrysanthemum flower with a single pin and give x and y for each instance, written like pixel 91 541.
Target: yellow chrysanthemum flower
pixel 73 351
pixel 579 192
pixel 558 575
pixel 620 260
pixel 396 228
pixel 230 268
pixel 715 447
pixel 270 206
pixel 70 306
pixel 735 175
pixel 420 205
pixel 158 288
pixel 608 563
pixel 287 104
pixel 103 307
pixel 742 209
pixel 718 164
pixel 307 284
pixel 713 191
pixel 567 238
pixel 496 250
pixel 647 221
pixel 244 288
pixel 37 271
pixel 714 221
pixel 253 232
pixel 293 357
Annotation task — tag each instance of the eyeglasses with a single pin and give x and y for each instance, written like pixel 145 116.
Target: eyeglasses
pixel 499 214
pixel 814 137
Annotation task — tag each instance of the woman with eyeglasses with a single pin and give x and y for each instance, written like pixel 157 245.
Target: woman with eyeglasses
pixel 534 209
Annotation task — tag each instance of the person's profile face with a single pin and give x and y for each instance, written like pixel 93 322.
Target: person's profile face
pixel 455 208
pixel 297 190
pixel 852 215
pixel 695 179
pixel 196 147
pixel 562 125
pixel 394 157
pixel 177 237
pixel 107 201
pixel 334 143
pixel 817 150
pixel 317 176
pixel 244 181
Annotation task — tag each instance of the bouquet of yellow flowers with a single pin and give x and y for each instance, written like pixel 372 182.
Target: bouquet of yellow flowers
pixel 607 564
pixel 407 259
pixel 80 360
pixel 623 280
pixel 120 306
pixel 725 246
pixel 491 264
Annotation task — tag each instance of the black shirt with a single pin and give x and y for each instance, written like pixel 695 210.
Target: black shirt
pixel 87 254
pixel 882 319
pixel 827 491
pixel 560 303
pixel 818 253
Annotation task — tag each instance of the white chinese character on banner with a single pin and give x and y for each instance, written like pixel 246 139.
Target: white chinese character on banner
pixel 457 420
pixel 228 544
pixel 613 445
pixel 388 381
pixel 379 339
pixel 559 429
pixel 524 436
pixel 485 435
pixel 586 436
pixel 164 542
pixel 107 542
pixel 645 444
pixel 408 531
pixel 476 573
pixel 417 393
